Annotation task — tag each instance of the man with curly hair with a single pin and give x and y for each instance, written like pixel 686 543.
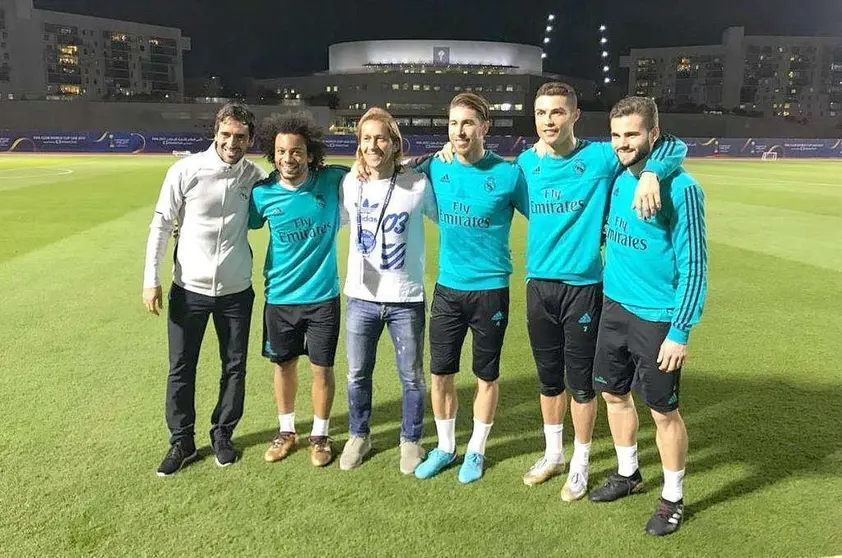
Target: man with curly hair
pixel 300 201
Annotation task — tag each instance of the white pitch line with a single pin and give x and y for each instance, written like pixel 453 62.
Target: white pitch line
pixel 60 172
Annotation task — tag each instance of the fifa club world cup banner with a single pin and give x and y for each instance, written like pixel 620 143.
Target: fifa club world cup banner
pixel 101 142
pixel 508 146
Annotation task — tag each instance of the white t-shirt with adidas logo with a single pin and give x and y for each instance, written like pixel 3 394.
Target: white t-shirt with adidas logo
pixel 388 266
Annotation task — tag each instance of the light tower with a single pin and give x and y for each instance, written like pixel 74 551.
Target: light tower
pixel 605 59
pixel 547 33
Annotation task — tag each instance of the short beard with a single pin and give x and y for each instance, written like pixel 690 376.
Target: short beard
pixel 642 154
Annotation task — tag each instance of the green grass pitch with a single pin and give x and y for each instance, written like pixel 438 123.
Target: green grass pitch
pixel 83 368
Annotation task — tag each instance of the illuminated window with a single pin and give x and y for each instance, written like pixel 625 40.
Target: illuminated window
pixel 69 89
pixel 69 49
pixel 683 65
pixel 121 38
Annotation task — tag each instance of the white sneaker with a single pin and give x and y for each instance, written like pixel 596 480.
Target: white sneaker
pixel 412 454
pixel 542 471
pixel 575 487
pixel 355 450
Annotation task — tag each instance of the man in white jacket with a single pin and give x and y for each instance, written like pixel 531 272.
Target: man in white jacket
pixel 207 196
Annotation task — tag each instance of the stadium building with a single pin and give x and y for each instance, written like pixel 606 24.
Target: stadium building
pixel 416 79
pixel 796 77
pixel 55 55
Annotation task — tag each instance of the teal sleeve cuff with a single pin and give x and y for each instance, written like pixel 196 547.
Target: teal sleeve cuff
pixel 657 167
pixel 678 335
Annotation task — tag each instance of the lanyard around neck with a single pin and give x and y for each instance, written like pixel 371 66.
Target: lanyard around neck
pixel 363 247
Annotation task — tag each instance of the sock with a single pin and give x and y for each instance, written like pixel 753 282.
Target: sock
pixel 581 457
pixel 287 422
pixel 477 442
pixel 320 426
pixel 673 485
pixel 554 452
pixel 446 430
pixel 626 459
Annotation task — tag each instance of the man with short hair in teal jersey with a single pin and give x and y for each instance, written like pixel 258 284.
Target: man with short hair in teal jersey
pixel 300 201
pixel 655 285
pixel 476 195
pixel 569 184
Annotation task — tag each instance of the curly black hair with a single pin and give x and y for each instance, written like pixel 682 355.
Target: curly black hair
pixel 299 123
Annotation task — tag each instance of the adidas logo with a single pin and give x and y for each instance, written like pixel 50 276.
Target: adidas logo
pixel 498 317
pixel 445 178
pixel 585 319
pixel 536 170
pixel 673 400
pixel 601 380
pixel 366 208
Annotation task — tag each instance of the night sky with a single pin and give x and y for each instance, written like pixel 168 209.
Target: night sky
pixel 267 38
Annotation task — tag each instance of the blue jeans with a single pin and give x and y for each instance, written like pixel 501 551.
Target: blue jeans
pixel 364 323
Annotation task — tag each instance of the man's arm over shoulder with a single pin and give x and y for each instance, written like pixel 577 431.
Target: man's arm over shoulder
pixel 667 155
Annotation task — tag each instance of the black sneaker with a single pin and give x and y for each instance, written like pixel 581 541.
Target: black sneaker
pixel 225 452
pixel 616 487
pixel 181 453
pixel 667 519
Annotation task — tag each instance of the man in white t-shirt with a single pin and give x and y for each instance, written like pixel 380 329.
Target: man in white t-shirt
pixel 385 283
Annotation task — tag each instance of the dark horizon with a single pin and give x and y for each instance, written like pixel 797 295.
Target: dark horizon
pixel 272 41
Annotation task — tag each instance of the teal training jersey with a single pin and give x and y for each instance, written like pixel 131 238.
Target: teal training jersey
pixel 476 204
pixel 568 201
pixel 300 265
pixel 657 268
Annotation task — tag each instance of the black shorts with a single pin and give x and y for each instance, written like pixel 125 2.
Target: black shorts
pixel 627 357
pixel 292 330
pixel 452 313
pixel 563 321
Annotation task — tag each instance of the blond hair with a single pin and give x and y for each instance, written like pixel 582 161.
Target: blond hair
pixel 380 115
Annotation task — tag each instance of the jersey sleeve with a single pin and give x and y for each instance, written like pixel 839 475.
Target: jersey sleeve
pixel 256 217
pixel 521 193
pixel 344 215
pixel 690 245
pixel 429 205
pixel 667 155
pixel 167 209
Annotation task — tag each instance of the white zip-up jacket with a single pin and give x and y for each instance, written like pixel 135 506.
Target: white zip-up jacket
pixel 209 200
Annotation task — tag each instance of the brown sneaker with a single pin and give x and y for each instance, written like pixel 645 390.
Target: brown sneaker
pixel 321 452
pixel 280 447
